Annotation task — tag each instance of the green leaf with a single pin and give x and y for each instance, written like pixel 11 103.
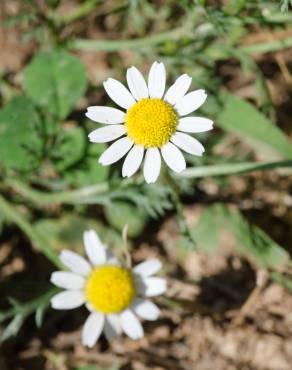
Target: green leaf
pixel 13 327
pixel 39 314
pixel 153 199
pixel 21 310
pixel 243 119
pixel 67 230
pixel 69 148
pixel 234 6
pixel 21 142
pixel 120 213
pixel 281 279
pixel 88 171
pixel 250 239
pixel 55 81
pixel 254 241
pixel 206 241
pixel 284 5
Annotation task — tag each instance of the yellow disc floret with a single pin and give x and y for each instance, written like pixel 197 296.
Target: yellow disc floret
pixel 110 289
pixel 151 122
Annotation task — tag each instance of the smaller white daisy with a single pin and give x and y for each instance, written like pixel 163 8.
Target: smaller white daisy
pixel 154 124
pixel 113 294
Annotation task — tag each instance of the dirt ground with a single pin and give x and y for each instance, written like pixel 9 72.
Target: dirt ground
pixel 228 314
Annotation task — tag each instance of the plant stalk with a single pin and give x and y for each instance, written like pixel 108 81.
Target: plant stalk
pixel 175 193
pixel 68 196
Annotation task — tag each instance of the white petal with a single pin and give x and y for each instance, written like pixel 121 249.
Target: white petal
pixel 178 89
pixel 173 157
pixel 94 248
pixel 68 300
pixel 151 286
pixel 190 102
pixel 105 115
pixel 133 161
pixel 194 124
pixel 67 280
pixel 92 329
pixel 146 309
pixel 118 93
pixel 156 80
pixel 75 262
pixel 112 326
pixel 147 268
pixel 116 151
pixel 136 83
pixel 188 143
pixel 152 165
pixel 131 325
pixel 107 133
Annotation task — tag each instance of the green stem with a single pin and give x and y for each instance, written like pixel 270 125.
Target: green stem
pixel 232 168
pixel 267 47
pixel 82 11
pixel 184 228
pixel 15 216
pixel 84 194
pixel 136 44
pixel 27 308
pixel 69 196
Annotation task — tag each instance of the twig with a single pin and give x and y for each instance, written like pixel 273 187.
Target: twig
pixel 261 281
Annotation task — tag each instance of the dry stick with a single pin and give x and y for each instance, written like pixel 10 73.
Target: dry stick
pixel 283 67
pixel 261 281
pixel 282 64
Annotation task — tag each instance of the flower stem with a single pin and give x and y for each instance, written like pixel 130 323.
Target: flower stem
pixel 225 169
pixel 175 193
pixel 133 44
pixel 67 196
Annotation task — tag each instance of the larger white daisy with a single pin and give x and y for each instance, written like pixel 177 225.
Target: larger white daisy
pixel 113 294
pixel 154 123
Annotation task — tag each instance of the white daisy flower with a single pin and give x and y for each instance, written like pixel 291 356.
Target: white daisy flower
pixel 113 294
pixel 152 124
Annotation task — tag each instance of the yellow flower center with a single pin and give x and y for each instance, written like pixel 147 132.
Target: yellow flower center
pixel 151 122
pixel 110 289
